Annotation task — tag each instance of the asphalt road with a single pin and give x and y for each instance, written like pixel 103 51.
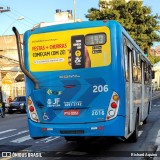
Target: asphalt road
pixel 14 137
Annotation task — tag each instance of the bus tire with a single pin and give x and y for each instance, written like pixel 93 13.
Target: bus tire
pixel 134 137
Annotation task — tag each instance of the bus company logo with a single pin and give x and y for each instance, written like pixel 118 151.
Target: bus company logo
pixel 49 101
pixel 49 92
pixel 70 76
pixel 56 102
pixel 53 103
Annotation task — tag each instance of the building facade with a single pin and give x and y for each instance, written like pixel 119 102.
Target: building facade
pixel 156 80
pixel 59 18
pixel 11 77
pixel 63 15
pixel 157 50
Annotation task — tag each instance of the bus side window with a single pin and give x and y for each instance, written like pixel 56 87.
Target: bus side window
pixel 150 74
pixel 146 73
pixel 153 74
pixel 145 69
pixel 135 66
pixel 126 62
pixel 139 68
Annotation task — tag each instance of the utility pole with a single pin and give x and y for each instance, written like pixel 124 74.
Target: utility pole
pixel 4 10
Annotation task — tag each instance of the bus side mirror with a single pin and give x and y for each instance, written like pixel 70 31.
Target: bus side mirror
pixel 153 74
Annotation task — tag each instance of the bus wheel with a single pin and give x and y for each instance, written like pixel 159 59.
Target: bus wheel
pixel 78 139
pixel 134 137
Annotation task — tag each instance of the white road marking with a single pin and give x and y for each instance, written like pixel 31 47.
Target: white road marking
pixel 139 133
pixel 52 139
pixel 158 138
pixel 155 105
pixel 7 131
pixel 157 143
pixel 22 139
pixel 14 135
pixel 48 139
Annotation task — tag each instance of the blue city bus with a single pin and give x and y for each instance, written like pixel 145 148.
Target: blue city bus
pixel 84 79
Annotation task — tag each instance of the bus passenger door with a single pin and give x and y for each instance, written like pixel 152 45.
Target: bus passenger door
pixel 131 118
pixel 146 90
pixel 143 90
pixel 129 89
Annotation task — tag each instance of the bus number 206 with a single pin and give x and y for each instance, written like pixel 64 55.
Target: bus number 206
pixel 100 88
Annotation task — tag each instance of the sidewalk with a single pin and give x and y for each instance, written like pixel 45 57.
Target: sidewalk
pixel 155 94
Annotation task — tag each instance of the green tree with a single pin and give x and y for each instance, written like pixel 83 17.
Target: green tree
pixel 153 58
pixel 133 16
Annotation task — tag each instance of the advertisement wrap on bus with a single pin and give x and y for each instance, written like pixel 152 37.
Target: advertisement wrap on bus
pixel 50 51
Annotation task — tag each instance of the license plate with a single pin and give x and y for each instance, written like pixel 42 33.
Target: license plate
pixel 72 112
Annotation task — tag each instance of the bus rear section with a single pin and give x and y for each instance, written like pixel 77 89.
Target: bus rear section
pixel 75 97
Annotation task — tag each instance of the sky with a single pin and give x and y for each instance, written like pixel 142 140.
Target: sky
pixel 36 11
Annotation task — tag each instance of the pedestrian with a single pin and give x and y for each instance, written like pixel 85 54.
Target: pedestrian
pixel 2 109
pixel 9 99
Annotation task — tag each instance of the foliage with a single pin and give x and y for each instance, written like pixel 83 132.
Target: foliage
pixel 134 17
pixel 153 59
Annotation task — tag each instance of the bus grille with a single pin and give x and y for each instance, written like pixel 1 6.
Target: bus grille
pixel 72 132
